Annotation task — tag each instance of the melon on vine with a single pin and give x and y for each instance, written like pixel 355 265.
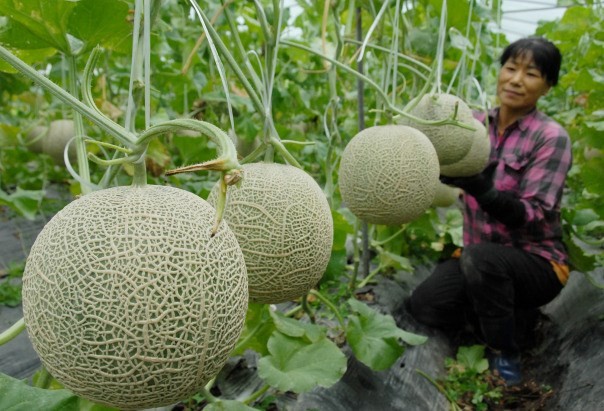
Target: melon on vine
pixel 388 174
pixel 476 159
pixel 52 140
pixel 283 223
pixel 445 195
pixel 130 301
pixel 451 142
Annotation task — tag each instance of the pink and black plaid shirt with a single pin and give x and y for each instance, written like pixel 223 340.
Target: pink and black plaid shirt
pixel 534 157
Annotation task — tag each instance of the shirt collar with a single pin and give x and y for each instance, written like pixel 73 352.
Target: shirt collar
pixel 522 123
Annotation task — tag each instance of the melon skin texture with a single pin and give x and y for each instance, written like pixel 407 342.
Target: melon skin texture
pixel 54 139
pixel 283 223
pixel 388 174
pixel 451 142
pixel 476 159
pixel 129 301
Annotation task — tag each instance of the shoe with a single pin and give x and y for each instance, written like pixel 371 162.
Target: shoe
pixel 508 369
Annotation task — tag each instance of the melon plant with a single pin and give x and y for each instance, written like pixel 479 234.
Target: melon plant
pixel 52 140
pixel 451 142
pixel 388 174
pixel 476 159
pixel 128 299
pixel 283 223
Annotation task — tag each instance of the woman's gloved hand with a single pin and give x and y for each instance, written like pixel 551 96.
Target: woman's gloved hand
pixel 480 186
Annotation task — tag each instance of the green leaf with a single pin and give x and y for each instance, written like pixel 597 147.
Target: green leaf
pixel 45 21
pixel 102 22
pixel 459 41
pixel 16 395
pixel 228 405
pixel 257 330
pixel 28 56
pixel 374 337
pixel 472 358
pixel 295 328
pixel 336 266
pixel 299 366
pixel 25 202
pixel 584 216
pixel 396 261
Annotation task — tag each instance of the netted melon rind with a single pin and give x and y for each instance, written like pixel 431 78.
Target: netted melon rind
pixel 129 301
pixel 388 174
pixel 284 225
pixel 58 136
pixel 476 159
pixel 451 142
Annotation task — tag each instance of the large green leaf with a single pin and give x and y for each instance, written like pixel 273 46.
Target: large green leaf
pixel 42 24
pixel 16 395
pixel 73 27
pixel 374 337
pixel 102 22
pixel 295 328
pixel 24 202
pixel 299 366
pixel 257 330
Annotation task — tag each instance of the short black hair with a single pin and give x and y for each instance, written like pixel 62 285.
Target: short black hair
pixel 545 54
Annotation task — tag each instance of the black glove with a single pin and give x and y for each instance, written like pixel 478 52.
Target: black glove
pixel 480 186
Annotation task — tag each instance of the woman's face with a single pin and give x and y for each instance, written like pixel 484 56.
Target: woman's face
pixel 521 84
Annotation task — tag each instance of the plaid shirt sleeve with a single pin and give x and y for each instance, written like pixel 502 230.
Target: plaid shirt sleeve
pixel 534 157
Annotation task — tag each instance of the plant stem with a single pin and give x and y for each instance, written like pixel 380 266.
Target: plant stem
pixel 106 125
pixel 331 306
pixel 369 277
pixel 44 379
pixel 208 395
pixel 256 395
pixel 307 309
pixel 83 168
pixel 380 92
pixel 13 331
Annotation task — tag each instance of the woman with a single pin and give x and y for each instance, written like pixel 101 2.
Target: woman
pixel 513 256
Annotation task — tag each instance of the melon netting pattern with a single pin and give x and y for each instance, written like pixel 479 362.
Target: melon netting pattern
pixel 283 223
pixel 128 300
pixel 451 142
pixel 476 159
pixel 388 174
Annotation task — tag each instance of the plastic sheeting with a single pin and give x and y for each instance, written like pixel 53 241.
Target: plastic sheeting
pixel 569 356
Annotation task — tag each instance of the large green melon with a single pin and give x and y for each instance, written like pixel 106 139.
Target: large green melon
pixel 476 159
pixel 388 174
pixel 284 225
pixel 128 299
pixel 451 142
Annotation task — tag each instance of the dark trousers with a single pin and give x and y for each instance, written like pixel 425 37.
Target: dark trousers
pixel 489 283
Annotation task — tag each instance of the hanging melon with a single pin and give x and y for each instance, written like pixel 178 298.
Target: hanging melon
pixel 128 299
pixel 283 223
pixel 450 141
pixel 388 174
pixel 476 159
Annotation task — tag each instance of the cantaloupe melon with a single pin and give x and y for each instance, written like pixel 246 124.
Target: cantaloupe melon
pixel 128 299
pixel 388 174
pixel 283 223
pixel 52 140
pixel 445 195
pixel 451 142
pixel 476 159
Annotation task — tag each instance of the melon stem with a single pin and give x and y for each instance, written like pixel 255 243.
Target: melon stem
pixel 13 331
pixel 330 305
